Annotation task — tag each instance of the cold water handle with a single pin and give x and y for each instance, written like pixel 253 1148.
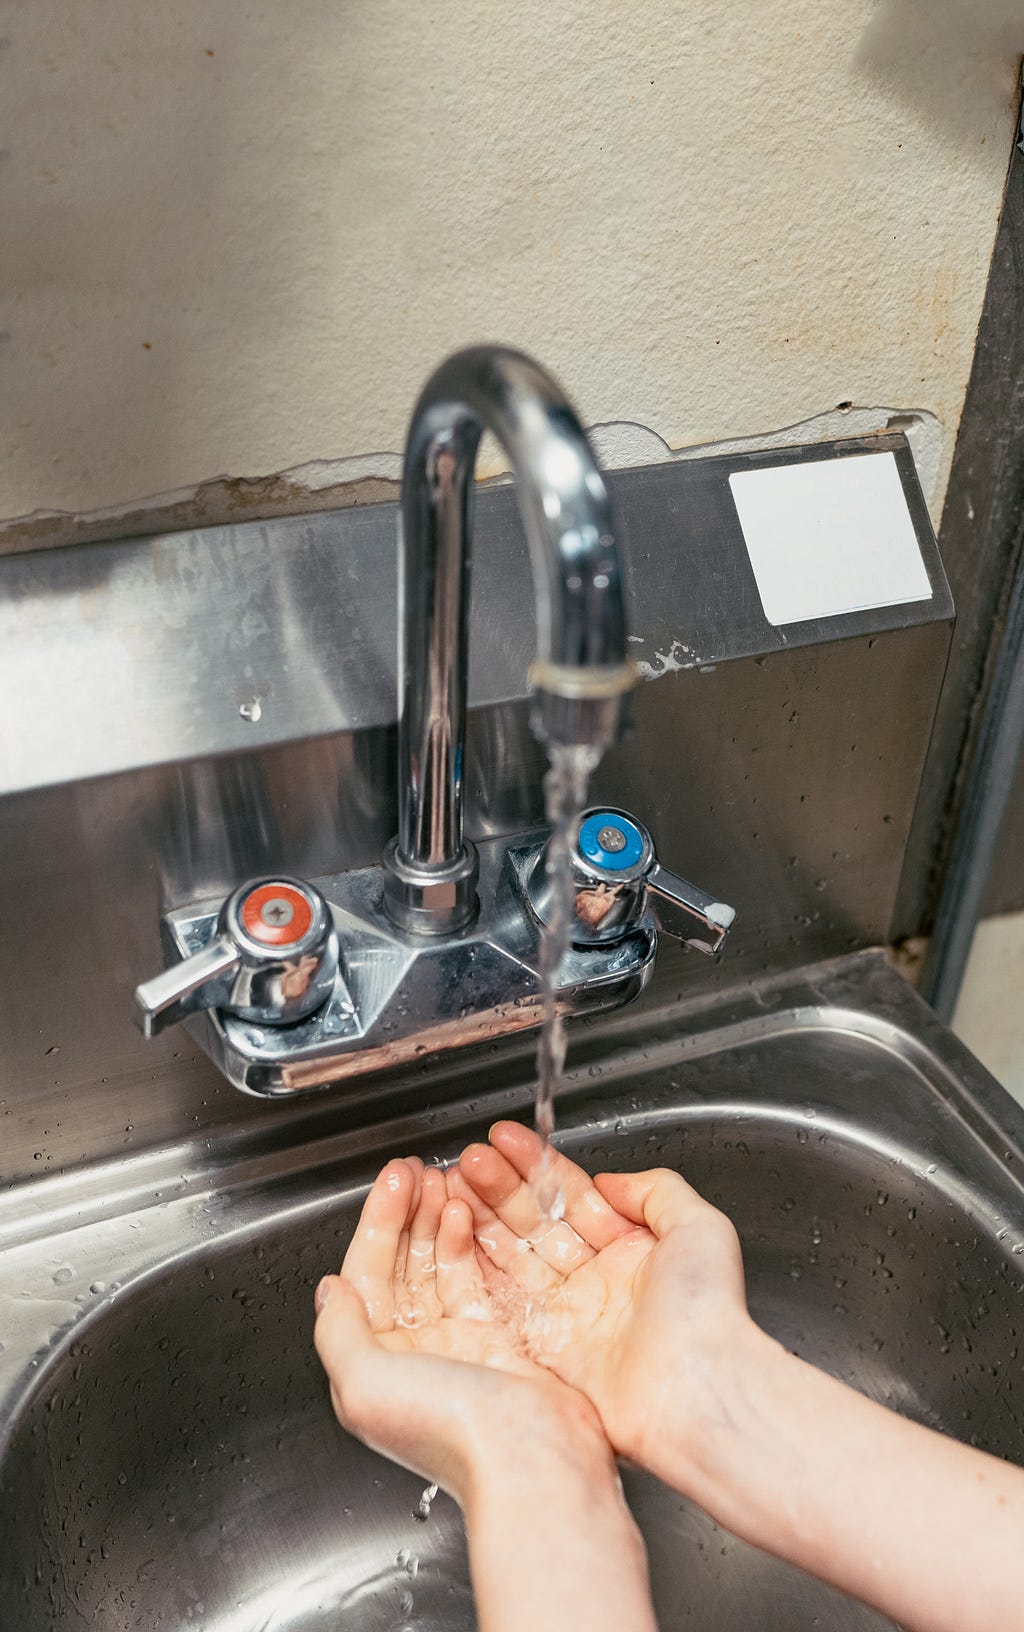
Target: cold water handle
pixel 617 878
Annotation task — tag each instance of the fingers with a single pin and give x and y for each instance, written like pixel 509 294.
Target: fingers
pixel 417 1290
pixel 460 1281
pixel 660 1198
pixel 370 1262
pixel 507 1251
pixel 506 1186
pixel 423 1228
pixel 415 1166
pixel 515 1208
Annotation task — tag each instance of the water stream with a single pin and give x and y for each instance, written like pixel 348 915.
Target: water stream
pixel 565 796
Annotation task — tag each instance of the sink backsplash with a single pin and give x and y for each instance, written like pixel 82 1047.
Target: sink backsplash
pixel 183 712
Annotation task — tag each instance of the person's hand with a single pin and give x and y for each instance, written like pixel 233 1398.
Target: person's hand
pixel 423 1368
pixel 420 1365
pixel 635 1297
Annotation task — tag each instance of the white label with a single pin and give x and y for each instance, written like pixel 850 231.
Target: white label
pixel 830 536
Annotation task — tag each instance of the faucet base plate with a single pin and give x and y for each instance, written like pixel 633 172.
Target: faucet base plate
pixel 401 997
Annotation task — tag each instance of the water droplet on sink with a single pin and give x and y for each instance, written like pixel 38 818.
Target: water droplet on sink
pixel 63 1275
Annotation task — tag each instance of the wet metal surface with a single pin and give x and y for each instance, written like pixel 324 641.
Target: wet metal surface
pixel 168 1458
pixel 779 783
pixel 262 661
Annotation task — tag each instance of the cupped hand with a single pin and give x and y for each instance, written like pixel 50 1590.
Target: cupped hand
pixel 421 1365
pixel 635 1296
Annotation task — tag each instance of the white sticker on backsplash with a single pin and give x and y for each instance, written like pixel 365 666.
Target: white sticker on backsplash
pixel 829 536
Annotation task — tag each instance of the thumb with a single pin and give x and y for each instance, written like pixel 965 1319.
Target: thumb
pixel 658 1198
pixel 411 1407
pixel 342 1332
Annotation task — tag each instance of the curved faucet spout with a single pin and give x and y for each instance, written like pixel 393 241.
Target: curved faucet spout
pixel 582 668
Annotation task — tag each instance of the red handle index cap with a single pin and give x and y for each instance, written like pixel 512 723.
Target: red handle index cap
pixel 276 914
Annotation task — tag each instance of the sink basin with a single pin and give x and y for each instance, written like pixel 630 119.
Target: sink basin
pixel 168 1457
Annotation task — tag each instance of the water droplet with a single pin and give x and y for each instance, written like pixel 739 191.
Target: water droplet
pixel 63 1275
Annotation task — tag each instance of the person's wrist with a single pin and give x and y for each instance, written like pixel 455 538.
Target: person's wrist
pixel 553 1440
pixel 687 1434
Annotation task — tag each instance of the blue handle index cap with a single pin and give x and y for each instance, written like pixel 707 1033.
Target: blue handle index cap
pixel 611 841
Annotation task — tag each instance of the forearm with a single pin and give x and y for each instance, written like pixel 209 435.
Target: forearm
pixel 552 1544
pixel 922 1527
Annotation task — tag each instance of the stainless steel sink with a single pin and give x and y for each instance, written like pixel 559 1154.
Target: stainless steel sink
pixel 168 1457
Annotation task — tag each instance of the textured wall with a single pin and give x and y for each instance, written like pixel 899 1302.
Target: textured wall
pixel 237 236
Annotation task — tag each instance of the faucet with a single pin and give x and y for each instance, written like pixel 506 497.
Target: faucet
pixel 295 984
pixel 582 669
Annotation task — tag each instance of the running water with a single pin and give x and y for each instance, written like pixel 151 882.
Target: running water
pixel 565 795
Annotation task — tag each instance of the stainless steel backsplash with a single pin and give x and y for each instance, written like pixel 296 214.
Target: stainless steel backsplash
pixel 780 769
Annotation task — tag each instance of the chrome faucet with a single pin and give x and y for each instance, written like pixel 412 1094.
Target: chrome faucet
pixel 293 985
pixel 582 669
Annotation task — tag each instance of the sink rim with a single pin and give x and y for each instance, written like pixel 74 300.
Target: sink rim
pixel 860 993
pixel 121 1213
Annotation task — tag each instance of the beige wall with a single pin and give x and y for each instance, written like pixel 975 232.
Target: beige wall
pixel 237 236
